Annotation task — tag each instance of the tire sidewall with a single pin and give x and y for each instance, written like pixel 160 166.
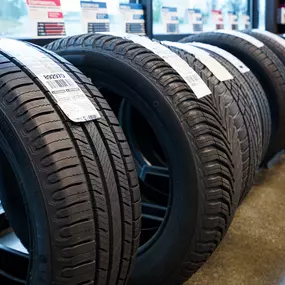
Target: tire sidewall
pixel 11 143
pixel 164 258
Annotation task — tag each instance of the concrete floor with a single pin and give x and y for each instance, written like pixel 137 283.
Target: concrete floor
pixel 253 251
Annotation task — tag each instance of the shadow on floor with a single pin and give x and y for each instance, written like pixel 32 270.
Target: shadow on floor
pixel 253 251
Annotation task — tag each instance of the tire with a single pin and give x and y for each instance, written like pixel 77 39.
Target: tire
pixel 268 69
pixel 197 137
pixel 78 192
pixel 250 85
pixel 244 112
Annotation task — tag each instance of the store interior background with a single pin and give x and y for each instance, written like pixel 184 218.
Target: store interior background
pixel 253 251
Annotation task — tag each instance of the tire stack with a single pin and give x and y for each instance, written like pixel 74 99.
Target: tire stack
pixel 200 117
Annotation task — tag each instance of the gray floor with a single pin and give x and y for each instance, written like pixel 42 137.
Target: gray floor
pixel 253 251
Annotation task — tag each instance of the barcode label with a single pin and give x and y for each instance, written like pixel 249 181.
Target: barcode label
pixel 212 64
pixel 59 83
pixel 275 37
pixel 243 36
pixel 226 55
pixel 198 86
pixel 193 79
pixel 65 92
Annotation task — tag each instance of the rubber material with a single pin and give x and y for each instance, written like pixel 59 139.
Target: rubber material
pixel 268 69
pixel 198 137
pixel 78 181
pixel 251 85
pixel 246 117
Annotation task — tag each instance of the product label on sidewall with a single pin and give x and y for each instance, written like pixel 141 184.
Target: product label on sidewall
pixel 189 75
pixel 243 36
pixel 212 64
pixel 66 93
pixel 275 37
pixel 226 55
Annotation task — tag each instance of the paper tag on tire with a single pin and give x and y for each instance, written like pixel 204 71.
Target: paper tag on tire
pixel 189 75
pixel 65 91
pixel 212 64
pixel 243 36
pixel 275 37
pixel 226 55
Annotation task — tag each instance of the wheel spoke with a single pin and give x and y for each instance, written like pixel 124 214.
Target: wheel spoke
pixel 13 265
pixel 153 170
pixel 153 212
pixel 1 209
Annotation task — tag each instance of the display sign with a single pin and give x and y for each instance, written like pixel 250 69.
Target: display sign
pixel 170 20
pixel 194 18
pixel 132 18
pixel 46 18
pixel 94 17
pixel 217 19
pixel 245 22
pixel 232 21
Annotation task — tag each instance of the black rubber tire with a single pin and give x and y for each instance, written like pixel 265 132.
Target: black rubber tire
pixel 251 85
pixel 198 136
pixel 268 69
pixel 273 45
pixel 78 181
pixel 246 117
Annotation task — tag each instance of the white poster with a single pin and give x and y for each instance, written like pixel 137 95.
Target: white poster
pixel 45 18
pixel 132 18
pixel 170 20
pixel 217 20
pixel 245 19
pixel 232 21
pixel 194 18
pixel 94 16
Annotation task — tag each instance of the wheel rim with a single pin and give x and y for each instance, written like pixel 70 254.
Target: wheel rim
pixel 10 245
pixel 153 171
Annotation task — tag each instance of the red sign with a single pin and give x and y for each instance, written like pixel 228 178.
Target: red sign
pixel 55 15
pixel 46 3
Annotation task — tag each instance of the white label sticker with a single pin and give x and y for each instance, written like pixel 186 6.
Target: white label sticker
pixel 243 36
pixel 275 37
pixel 190 76
pixel 226 55
pixel 212 64
pixel 66 93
